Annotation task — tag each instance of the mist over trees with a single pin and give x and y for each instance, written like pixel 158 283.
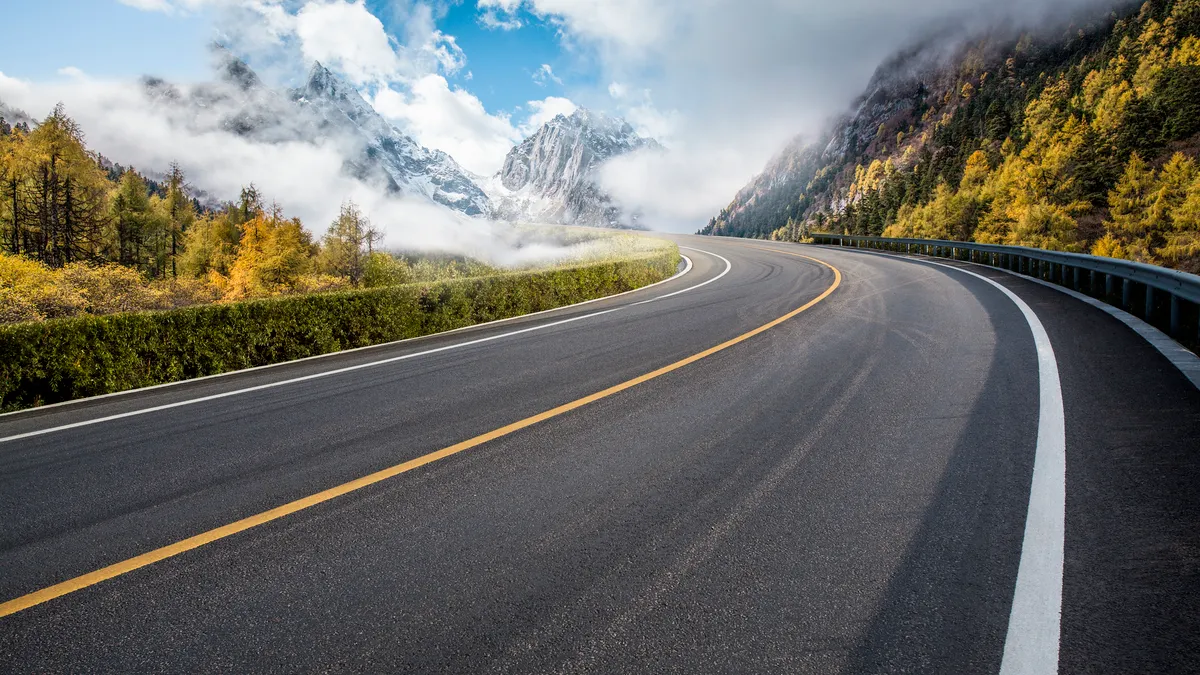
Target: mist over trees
pixel 1087 143
pixel 80 235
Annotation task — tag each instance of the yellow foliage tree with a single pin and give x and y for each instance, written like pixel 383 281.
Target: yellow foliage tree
pixel 273 255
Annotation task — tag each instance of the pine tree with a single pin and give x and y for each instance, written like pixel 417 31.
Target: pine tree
pixel 1128 203
pixel 348 244
pixel 179 212
pixel 130 213
pixel 69 193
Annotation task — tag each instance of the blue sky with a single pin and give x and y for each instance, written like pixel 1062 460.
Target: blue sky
pixel 723 84
pixel 502 63
pixel 102 37
pixel 108 39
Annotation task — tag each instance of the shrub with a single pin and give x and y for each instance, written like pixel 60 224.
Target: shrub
pixel 64 359
pixel 383 269
pixel 29 291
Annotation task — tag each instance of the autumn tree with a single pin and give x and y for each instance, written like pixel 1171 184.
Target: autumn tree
pixel 273 255
pixel 348 244
pixel 12 173
pixel 68 193
pixel 129 220
pixel 178 210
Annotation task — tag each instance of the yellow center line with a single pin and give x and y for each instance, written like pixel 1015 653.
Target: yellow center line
pixel 150 557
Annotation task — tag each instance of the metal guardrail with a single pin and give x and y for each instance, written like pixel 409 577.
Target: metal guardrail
pixel 1165 298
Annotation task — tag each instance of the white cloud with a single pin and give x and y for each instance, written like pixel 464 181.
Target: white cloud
pixel 452 120
pixel 733 80
pixel 545 74
pixel 71 71
pixel 12 87
pixel 677 188
pixel 628 23
pixel 347 37
pixel 495 20
pixel 650 122
pixel 508 6
pixel 307 179
pixel 545 110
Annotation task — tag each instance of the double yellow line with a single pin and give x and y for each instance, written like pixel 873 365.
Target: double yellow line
pixel 137 562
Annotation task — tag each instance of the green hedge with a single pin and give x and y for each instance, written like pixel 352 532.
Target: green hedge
pixel 65 359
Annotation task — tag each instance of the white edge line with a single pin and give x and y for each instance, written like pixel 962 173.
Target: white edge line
pixel 728 266
pixel 1187 362
pixel 1031 644
pixel 687 268
pixel 303 378
pixel 338 371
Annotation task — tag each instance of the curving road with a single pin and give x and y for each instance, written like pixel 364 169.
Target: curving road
pixel 788 459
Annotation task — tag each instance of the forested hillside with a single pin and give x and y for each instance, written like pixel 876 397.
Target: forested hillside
pixel 81 235
pixel 1084 140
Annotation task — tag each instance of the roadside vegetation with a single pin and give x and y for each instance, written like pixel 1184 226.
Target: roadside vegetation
pixel 80 235
pixel 111 281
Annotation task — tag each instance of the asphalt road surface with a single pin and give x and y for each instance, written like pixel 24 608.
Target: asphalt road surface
pixel 845 490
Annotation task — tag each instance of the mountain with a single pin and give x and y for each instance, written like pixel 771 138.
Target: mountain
pixel 325 111
pixel 550 176
pixel 13 116
pixel 383 153
pixel 1081 137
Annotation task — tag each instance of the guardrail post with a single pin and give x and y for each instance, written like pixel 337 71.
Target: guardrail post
pixel 1175 315
pixel 1149 313
pixel 1109 287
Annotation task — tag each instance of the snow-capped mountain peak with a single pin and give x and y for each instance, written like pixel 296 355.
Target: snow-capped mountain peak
pixel 383 152
pixel 549 177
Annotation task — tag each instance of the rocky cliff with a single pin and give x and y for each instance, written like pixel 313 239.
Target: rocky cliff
pixel 550 176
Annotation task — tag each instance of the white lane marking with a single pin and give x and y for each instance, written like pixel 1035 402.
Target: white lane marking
pixel 337 371
pixel 687 268
pixel 728 266
pixel 1187 362
pixel 1035 623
